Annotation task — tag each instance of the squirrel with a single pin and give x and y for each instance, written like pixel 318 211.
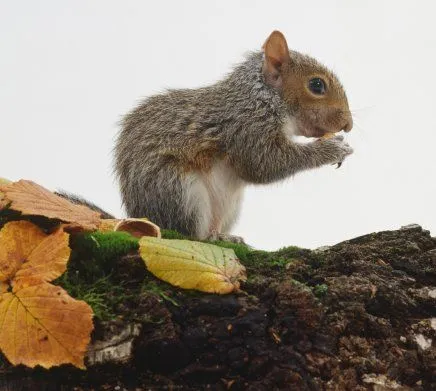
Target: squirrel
pixel 184 157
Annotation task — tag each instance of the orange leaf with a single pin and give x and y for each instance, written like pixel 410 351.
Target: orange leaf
pixel 46 262
pixel 3 288
pixel 30 198
pixel 39 323
pixel 17 240
pixel 42 325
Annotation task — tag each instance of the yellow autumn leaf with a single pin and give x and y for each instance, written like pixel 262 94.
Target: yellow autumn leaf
pixel 39 323
pixel 30 198
pixel 42 325
pixel 193 265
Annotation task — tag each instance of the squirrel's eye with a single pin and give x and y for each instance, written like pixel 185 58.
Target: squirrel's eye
pixel 317 86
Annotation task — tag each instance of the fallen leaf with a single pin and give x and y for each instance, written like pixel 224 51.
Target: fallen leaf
pixel 39 323
pixel 30 198
pixel 46 262
pixel 134 226
pixel 18 239
pixel 192 265
pixel 42 325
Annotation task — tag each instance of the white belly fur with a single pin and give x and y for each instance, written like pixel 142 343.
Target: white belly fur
pixel 290 130
pixel 216 196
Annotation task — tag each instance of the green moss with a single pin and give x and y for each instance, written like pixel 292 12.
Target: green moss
pixel 93 276
pixel 278 259
pixel 94 254
pixel 250 257
pixel 102 295
pixel 241 250
pixel 301 285
pixel 291 252
pixel 320 290
pixel 90 269
pixel 316 260
pixel 171 234
pixel 106 246
pixel 152 286
pixel 258 259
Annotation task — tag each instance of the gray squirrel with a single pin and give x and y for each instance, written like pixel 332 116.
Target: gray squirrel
pixel 183 157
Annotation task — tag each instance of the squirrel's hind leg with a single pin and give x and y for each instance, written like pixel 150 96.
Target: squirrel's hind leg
pixel 196 203
pixel 169 199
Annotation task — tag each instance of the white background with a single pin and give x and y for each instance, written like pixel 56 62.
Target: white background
pixel 70 69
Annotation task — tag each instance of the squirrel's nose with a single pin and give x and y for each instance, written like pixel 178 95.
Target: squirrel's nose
pixel 348 125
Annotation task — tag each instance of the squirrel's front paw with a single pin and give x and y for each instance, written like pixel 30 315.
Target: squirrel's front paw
pixel 335 149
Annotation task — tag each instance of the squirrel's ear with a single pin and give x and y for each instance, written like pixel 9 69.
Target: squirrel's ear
pixel 276 55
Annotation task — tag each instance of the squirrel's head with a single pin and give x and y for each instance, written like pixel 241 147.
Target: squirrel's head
pixel 314 95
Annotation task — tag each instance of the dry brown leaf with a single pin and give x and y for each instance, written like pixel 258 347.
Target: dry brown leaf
pixel 136 227
pixel 3 288
pixel 42 325
pixel 46 262
pixel 30 198
pixel 193 265
pixel 17 240
pixel 39 323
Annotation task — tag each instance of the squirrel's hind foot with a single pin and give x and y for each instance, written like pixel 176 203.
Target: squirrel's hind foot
pixel 227 238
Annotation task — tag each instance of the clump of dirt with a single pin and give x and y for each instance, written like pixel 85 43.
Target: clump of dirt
pixel 360 315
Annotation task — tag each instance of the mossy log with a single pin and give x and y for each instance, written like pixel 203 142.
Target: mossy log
pixel 360 315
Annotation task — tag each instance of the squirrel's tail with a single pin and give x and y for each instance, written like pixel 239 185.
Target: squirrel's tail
pixel 75 199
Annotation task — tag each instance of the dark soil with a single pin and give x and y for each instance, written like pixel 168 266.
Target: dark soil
pixel 356 316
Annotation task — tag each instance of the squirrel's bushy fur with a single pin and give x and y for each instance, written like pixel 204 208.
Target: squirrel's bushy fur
pixel 183 157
